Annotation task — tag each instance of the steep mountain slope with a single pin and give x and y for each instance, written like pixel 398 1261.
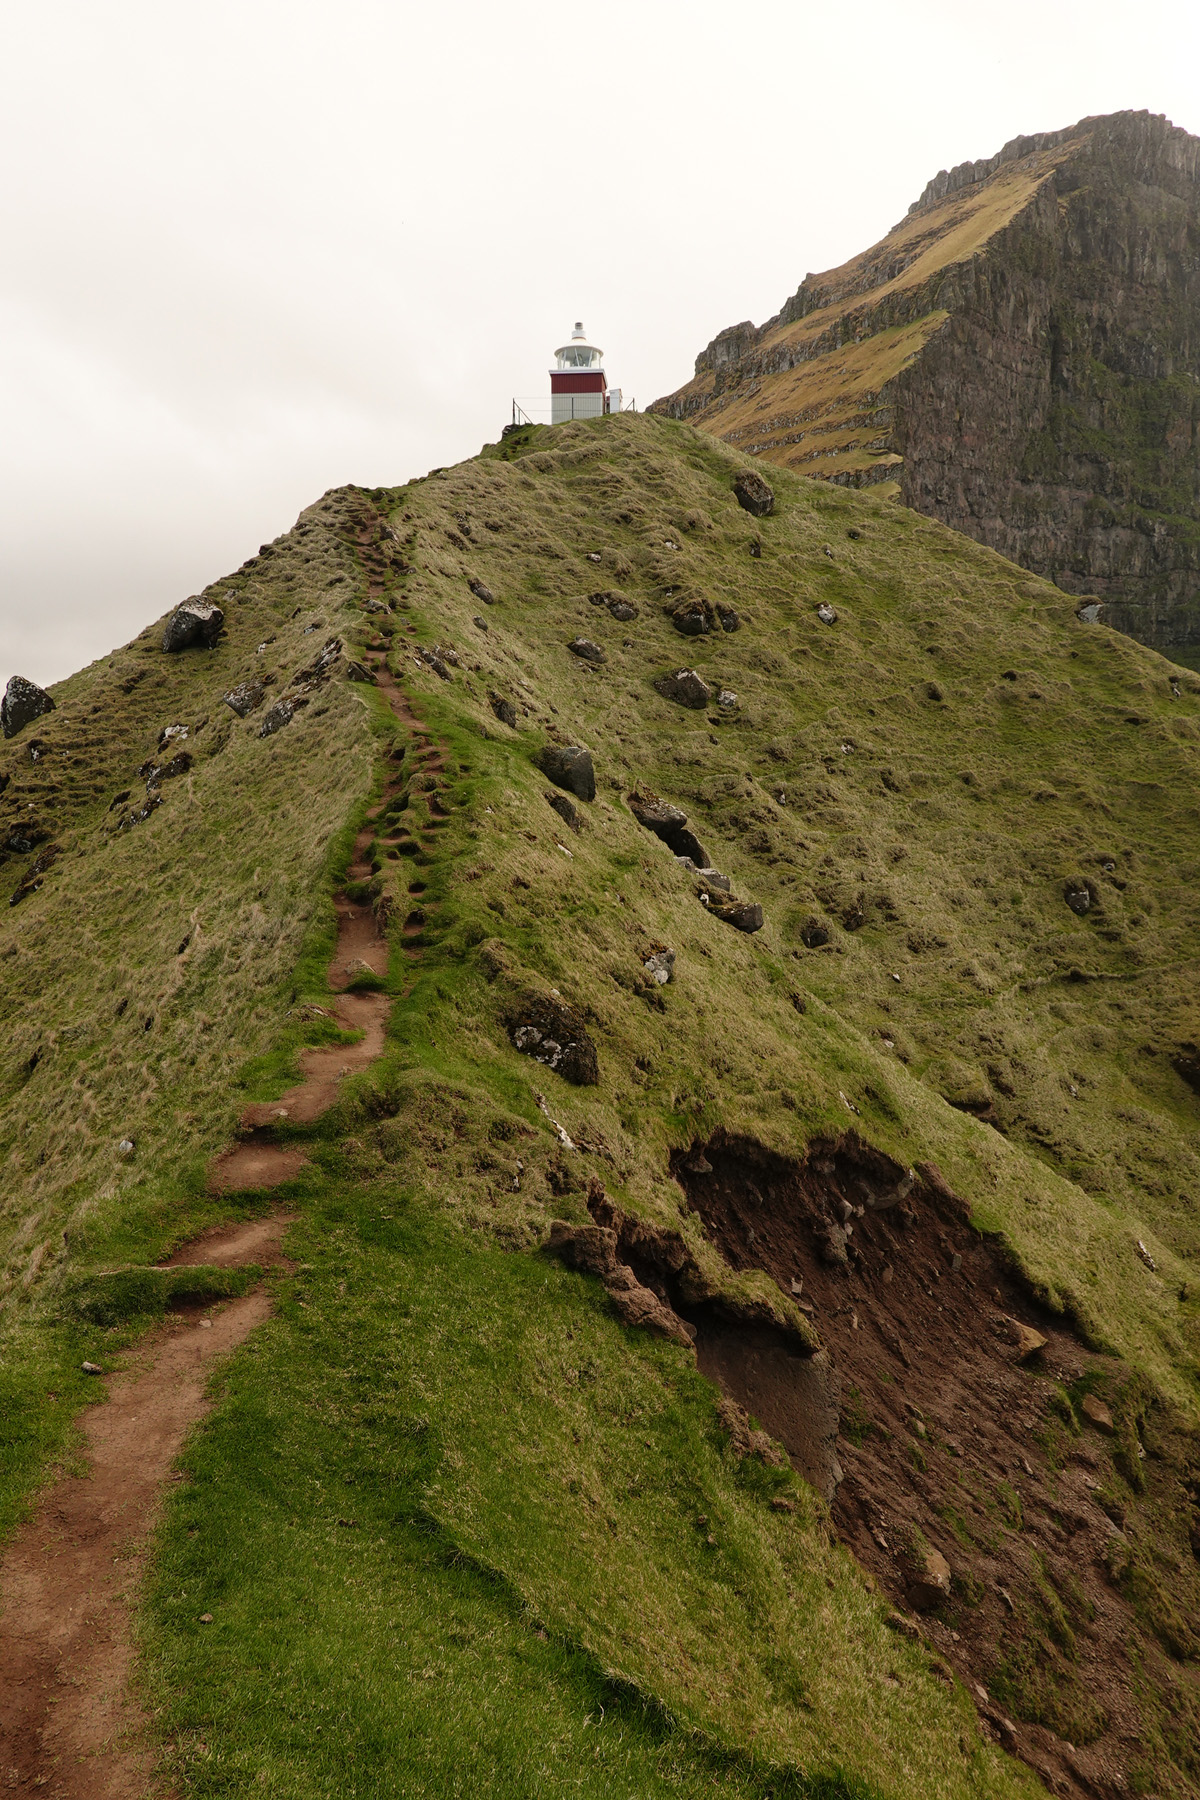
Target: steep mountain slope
pixel 907 1174
pixel 1021 355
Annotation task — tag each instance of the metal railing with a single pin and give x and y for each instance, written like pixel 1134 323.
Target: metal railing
pixel 535 409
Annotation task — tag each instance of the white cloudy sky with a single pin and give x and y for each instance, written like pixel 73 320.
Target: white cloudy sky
pixel 255 248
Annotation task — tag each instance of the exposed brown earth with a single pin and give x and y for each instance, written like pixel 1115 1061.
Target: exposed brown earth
pixel 976 1425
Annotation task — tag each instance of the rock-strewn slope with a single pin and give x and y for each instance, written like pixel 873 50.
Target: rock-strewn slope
pixel 1020 356
pixel 805 1027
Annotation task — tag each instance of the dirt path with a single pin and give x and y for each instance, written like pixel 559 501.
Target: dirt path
pixel 68 1724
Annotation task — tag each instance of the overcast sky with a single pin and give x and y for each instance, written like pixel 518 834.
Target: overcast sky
pixel 256 248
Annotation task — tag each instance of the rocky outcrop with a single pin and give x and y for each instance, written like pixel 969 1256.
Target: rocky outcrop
pixel 1018 356
pixel 23 702
pixel 195 623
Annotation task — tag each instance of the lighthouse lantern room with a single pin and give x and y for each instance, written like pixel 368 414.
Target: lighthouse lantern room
pixel 578 385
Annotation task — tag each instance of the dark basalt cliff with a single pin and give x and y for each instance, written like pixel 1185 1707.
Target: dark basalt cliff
pixel 1021 355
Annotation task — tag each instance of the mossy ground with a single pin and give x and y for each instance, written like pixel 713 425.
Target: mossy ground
pixel 927 777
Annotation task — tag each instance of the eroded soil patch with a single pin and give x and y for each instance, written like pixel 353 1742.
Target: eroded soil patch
pixel 1072 1546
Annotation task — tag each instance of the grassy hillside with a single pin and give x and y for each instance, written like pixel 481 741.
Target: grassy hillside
pixel 459 1529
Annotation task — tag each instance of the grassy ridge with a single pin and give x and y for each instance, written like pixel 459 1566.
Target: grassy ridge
pixel 515 1463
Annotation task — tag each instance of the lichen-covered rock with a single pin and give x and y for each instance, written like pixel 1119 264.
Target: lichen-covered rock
pixel 155 773
pixel 554 1033
pixel 246 697
pixel 197 623
pixel 23 702
pixel 483 592
pixel 569 766
pixel 281 714
pixel 686 688
pixel 752 493
pixel 585 648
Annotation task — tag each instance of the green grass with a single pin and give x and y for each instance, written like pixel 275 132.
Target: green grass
pixel 516 1461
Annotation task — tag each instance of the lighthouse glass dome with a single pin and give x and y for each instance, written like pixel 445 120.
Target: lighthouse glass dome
pixel 579 354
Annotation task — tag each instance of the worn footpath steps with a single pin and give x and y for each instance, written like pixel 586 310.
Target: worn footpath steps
pixel 257 1160
pixel 69 1727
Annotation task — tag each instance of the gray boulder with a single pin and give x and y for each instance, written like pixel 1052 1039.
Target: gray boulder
pixel 245 698
pixel 752 493
pixel 685 688
pixel 744 915
pixel 196 622
pixel 566 812
pixel 585 648
pixel 826 613
pixel 669 824
pixel 483 592
pixel 568 766
pixel 504 710
pixel 23 701
pixel 281 714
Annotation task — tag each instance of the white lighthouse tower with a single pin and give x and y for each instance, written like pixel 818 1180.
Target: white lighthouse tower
pixel 578 385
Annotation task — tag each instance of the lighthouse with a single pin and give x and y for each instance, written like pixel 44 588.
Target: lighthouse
pixel 578 385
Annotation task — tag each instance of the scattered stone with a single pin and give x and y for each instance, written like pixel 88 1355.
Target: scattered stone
pixel 480 624
pixel 685 688
pixel 554 1033
pixel 1095 1411
pixel 155 773
pixel 23 702
pixel 693 617
pixel 138 815
pixel 23 838
pixel 660 966
pixel 35 875
pixel 622 609
pixel 743 915
pixel 246 697
pixel 1078 896
pixel 1089 614
pixel 483 592
pixel 814 933
pixel 90 1368
pixel 565 810
pixel 752 493
pixel 435 662
pixel 126 1146
pixel 196 622
pixel 1146 1256
pixel 927 1577
pixel 598 599
pixel 898 1621
pixel 668 824
pixel 356 671
pixel 585 648
pixel 712 878
pixel 826 613
pixel 1028 1341
pixel 281 714
pixel 504 710
pixel 569 766
pixel 729 617
pixel 594 556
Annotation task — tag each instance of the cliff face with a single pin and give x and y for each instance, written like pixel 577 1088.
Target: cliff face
pixel 1020 356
